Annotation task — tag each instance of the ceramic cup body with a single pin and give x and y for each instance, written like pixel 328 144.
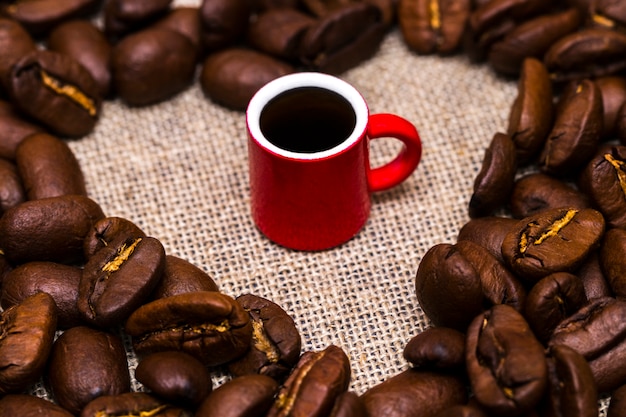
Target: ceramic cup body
pixel 310 176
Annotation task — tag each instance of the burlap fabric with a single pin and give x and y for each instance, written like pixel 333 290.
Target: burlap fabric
pixel 179 170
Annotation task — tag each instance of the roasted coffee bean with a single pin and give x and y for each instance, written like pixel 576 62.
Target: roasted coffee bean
pixel 262 5
pixel 26 335
pixel 186 21
pixel 206 324
pixel 590 52
pixel 617 406
pixel 314 385
pixel 531 115
pixel 13 129
pixel 433 26
pixel 613 92
pixel 87 44
pixel 15 42
pixel 11 188
pixel 119 278
pixel 388 10
pixel 415 393
pixel 597 331
pixel 555 240
pixel 181 276
pixel 505 362
pixel 232 76
pixel 492 12
pixel 348 404
pixel 175 377
pixel 130 404
pixel 462 411
pixel 532 38
pixel 608 13
pixel 594 281
pixel 576 131
pixel 5 268
pixel 494 182
pixel 49 229
pixel 604 181
pixel 107 230
pixel 30 406
pixel 152 65
pixel 248 395
pixel 477 45
pixel 613 260
pixel 58 280
pixel 124 16
pixel 40 16
pixel 321 8
pixel 279 32
pixel 488 232
pixel 551 300
pixel 57 91
pixel 537 192
pixel 223 22
pixel 436 347
pixel 85 364
pixel 276 342
pixel 48 167
pixel 572 388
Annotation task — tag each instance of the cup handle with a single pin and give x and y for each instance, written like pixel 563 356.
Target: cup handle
pixel 385 125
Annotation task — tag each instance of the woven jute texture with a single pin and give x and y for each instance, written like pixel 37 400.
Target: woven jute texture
pixel 179 170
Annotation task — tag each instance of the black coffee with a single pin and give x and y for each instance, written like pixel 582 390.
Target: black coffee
pixel 307 120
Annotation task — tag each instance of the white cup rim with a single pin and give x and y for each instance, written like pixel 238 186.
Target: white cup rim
pixel 306 79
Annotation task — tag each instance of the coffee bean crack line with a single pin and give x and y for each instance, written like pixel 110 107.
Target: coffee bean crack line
pixel 263 343
pixel 619 171
pixel 285 401
pixel 146 413
pixel 557 226
pixel 69 91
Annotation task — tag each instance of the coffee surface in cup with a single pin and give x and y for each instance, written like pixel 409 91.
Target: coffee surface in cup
pixel 307 120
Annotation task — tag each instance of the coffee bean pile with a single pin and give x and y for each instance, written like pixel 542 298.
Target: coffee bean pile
pixel 526 306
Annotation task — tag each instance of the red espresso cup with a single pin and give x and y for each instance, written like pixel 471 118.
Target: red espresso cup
pixel 308 148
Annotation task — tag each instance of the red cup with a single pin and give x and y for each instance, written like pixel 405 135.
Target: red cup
pixel 308 146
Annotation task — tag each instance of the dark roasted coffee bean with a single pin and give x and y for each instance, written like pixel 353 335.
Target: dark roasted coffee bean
pixel 26 335
pixel 572 389
pixel 608 13
pixel 348 404
pixel 40 16
pixel 617 406
pixel 613 260
pixel 131 404
pixel 232 76
pixel 13 129
pixel 531 115
pixel 436 347
pixel 591 52
pixel 107 230
pixel 462 411
pixel 58 280
pixel 48 167
pixel 223 22
pixel 11 188
pixel 85 364
pixel 433 26
pixel 532 38
pixel 276 342
pixel 206 324
pixel 186 21
pixel 555 240
pixel 488 232
pixel 15 42
pixel 57 91
pixel 415 393
pixel 494 182
pixel 576 131
pixel 604 181
pixel 597 331
pixel 181 276
pixel 594 281
pixel 314 385
pixel 492 12
pixel 613 92
pixel 248 395
pixel 119 278
pixel 551 300
pixel 50 229
pixel 30 406
pixel 175 377
pixel 536 192
pixel 124 16
pixel 477 44
pixel 152 65
pixel 279 32
pixel 87 44
pixel 505 362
